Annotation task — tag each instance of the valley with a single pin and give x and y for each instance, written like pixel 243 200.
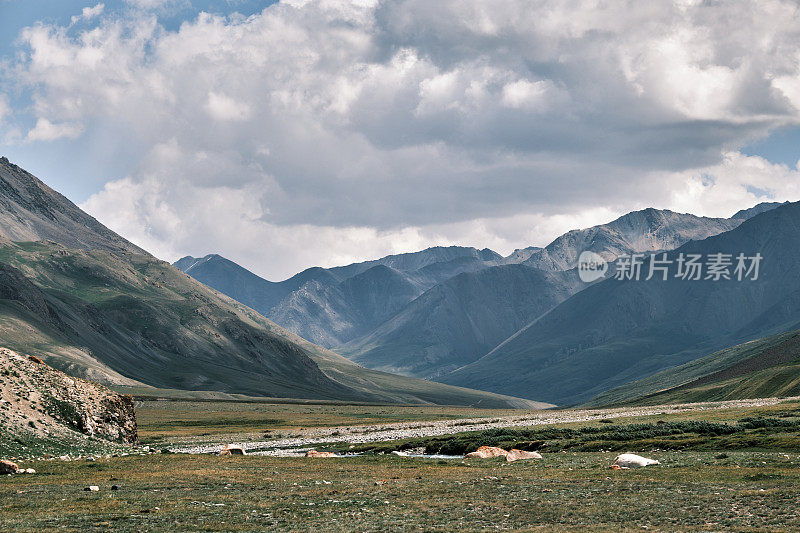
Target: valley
pixel 338 430
pixel 399 266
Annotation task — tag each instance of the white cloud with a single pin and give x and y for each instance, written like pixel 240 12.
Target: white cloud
pixel 44 130
pixel 5 108
pixel 89 13
pixel 220 107
pixel 319 132
pixel 155 4
pixel 737 181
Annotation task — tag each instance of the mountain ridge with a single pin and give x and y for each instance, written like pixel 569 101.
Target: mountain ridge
pixel 617 331
pixel 32 211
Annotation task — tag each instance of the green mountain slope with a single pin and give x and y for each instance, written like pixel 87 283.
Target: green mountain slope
pixel 128 319
pixel 97 307
pixel 762 368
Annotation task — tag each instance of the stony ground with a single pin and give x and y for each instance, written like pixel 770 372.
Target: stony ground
pixel 360 434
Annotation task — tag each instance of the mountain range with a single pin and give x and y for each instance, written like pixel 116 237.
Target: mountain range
pixel 92 304
pixel 492 331
pixel 617 331
pixel 428 313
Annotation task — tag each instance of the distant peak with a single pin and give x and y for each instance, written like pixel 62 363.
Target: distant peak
pixel 757 209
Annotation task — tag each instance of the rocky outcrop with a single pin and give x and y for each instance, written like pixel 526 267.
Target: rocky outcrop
pixel 315 453
pixel 7 467
pixel 486 452
pixel 232 449
pixel 520 455
pixel 40 401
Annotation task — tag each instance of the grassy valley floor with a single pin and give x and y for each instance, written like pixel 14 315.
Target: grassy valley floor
pixel 571 491
pixel 702 484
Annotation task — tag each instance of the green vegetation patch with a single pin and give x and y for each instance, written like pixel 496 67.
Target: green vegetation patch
pixel 64 411
pixel 748 433
pixel 23 445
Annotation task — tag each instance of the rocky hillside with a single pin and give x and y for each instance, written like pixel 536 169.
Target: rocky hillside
pixel 461 319
pixel 39 403
pixel 32 211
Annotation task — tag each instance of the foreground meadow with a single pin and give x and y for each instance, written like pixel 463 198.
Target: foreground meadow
pixel 566 491
pixel 747 480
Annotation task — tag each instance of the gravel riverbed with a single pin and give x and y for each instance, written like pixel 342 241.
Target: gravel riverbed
pixel 397 431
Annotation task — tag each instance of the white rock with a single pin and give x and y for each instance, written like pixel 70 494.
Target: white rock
pixel 631 460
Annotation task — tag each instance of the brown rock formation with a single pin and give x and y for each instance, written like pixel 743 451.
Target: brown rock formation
pixel 39 400
pixel 485 452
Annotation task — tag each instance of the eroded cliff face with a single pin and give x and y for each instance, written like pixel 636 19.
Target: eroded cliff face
pixel 37 400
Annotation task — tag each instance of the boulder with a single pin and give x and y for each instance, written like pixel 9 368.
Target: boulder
pixel 231 449
pixel 315 453
pixel 7 467
pixel 34 359
pixel 518 455
pixel 92 488
pixel 631 460
pixel 485 452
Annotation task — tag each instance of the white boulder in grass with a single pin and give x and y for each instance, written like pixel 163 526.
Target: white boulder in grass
pixel 631 460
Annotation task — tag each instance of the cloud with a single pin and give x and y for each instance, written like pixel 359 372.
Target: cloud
pixel 156 4
pixel 89 13
pixel 319 132
pixel 5 108
pixel 220 107
pixel 44 130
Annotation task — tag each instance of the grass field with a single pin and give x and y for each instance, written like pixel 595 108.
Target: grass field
pixel 745 491
pixel 755 487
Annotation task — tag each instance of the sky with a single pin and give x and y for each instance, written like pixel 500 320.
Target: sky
pixel 300 133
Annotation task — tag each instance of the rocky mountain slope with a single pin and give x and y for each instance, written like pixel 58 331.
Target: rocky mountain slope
pixel 42 405
pixel 331 306
pixel 124 317
pixel 32 211
pixel 649 230
pixel 461 319
pixel 617 331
